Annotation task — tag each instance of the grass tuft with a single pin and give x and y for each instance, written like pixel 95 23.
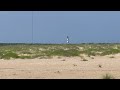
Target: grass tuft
pixel 108 76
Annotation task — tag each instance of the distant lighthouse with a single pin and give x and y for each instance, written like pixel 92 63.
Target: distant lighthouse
pixel 67 40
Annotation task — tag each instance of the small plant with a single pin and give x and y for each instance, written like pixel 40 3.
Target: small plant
pixel 74 65
pixel 59 57
pixel 108 76
pixel 63 60
pixel 112 57
pixel 57 72
pixel 92 57
pixel 100 66
pixel 84 59
pixel 25 57
pixel 89 56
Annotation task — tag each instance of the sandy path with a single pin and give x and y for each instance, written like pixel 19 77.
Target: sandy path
pixel 63 68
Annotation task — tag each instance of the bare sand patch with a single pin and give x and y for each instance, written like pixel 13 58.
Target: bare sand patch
pixel 60 68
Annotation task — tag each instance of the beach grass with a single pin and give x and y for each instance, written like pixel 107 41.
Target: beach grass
pixel 30 51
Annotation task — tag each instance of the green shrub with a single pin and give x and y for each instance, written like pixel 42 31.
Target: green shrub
pixel 110 51
pixel 8 55
pixel 61 52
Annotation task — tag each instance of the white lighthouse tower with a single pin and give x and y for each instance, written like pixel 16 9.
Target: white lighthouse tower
pixel 67 40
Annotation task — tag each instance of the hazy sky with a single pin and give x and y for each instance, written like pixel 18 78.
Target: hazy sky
pixel 55 26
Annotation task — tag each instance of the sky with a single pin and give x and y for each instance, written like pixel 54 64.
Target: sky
pixel 55 26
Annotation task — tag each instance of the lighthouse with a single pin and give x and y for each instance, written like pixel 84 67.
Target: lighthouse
pixel 67 40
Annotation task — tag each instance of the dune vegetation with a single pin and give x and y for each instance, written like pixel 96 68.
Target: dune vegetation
pixel 8 51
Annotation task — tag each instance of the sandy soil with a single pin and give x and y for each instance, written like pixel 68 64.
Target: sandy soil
pixel 60 68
